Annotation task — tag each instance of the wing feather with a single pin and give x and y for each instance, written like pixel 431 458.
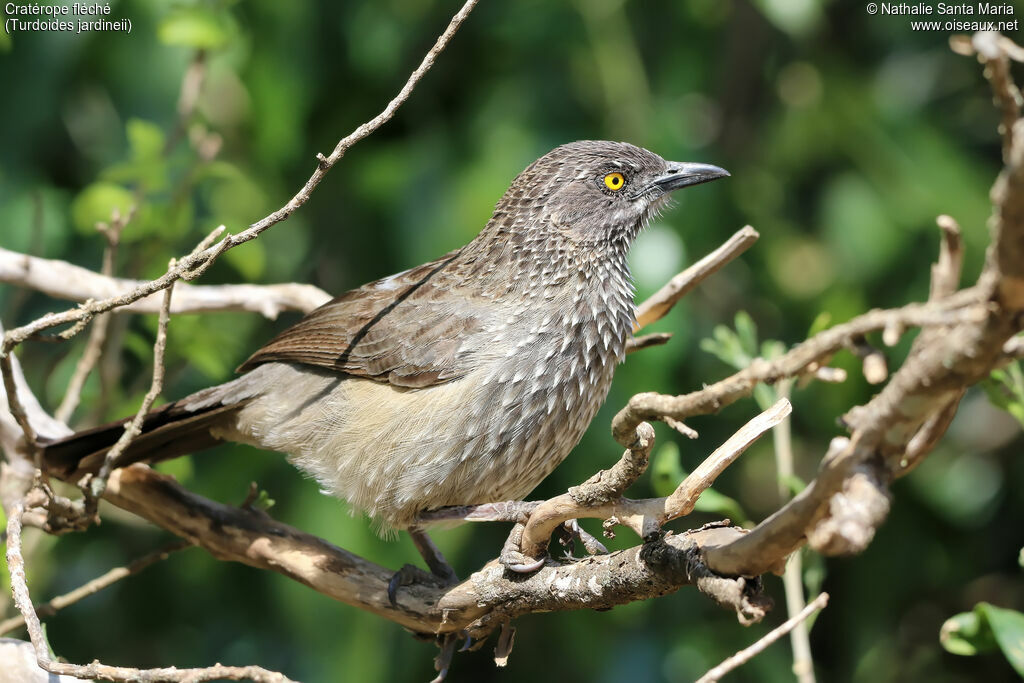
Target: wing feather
pixel 407 329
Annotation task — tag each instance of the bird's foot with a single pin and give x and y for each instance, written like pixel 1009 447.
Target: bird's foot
pixel 513 558
pixel 409 574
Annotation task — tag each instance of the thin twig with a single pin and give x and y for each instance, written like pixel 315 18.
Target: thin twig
pixel 793 576
pixel 94 346
pixel 682 501
pixel 23 600
pixel 746 654
pixel 965 306
pixel 195 263
pixel 662 301
pixel 109 578
pixel 63 280
pixel 134 428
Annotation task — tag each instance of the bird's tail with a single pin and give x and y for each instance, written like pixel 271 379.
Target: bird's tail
pixel 169 431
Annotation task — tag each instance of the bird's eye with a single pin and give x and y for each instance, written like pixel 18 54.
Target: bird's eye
pixel 614 181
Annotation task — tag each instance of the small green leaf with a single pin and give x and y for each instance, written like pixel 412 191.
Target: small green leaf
pixel 772 349
pixel 250 260
pixel 145 139
pixel 713 502
pixel 1008 627
pixel 1005 389
pixel 263 501
pixel 815 570
pixel 179 468
pixel 793 484
pixel 666 470
pixel 197 27
pixel 1020 558
pixel 985 629
pixel 746 331
pixel 967 634
pixel 96 203
pixel 820 323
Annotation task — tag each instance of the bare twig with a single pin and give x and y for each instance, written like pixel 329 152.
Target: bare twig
pixel 94 586
pixel 965 306
pixel 93 347
pixel 989 47
pixel 647 341
pixel 1014 347
pixel 946 271
pixel 746 654
pixel 188 97
pixel 195 263
pixel 134 428
pixel 601 495
pixel 19 586
pixel 873 363
pixel 662 301
pixel 63 280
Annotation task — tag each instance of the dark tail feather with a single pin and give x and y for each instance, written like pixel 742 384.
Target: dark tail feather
pixel 169 431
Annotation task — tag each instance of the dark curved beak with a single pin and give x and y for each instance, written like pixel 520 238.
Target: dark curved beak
pixel 683 174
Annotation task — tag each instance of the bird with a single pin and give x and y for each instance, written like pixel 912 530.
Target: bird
pixel 462 381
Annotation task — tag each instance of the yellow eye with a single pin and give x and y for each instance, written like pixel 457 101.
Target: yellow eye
pixel 614 181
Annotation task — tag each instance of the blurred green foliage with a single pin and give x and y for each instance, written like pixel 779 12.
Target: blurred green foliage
pixel 846 134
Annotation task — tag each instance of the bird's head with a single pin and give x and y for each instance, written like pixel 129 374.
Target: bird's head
pixel 599 192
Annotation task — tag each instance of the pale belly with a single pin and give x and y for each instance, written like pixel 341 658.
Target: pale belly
pixel 393 453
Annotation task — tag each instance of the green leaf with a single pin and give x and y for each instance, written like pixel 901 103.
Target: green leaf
pixel 967 634
pixel 250 260
pixel 1020 558
pixel 746 332
pixel 197 27
pixel 1008 627
pixel 772 349
pixel 793 484
pixel 179 468
pixel 985 629
pixel 145 138
pixel 820 323
pixel 1005 389
pixel 96 203
pixel 263 501
pixel 726 346
pixel 713 502
pixel 666 470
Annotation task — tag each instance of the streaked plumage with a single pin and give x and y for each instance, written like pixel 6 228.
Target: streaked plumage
pixel 465 380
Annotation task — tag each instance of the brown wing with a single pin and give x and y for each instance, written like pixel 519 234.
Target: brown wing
pixel 406 329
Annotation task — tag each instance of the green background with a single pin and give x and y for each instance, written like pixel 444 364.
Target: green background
pixel 846 134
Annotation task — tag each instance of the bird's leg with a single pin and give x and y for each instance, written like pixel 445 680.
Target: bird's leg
pixel 506 511
pixel 513 558
pixel 439 566
pixel 408 574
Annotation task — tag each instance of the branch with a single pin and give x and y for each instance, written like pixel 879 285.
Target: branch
pixel 601 495
pixel 965 306
pixel 251 537
pixel 63 280
pixel 745 655
pixel 94 586
pixel 662 301
pixel 19 586
pixel 199 260
pixel 98 334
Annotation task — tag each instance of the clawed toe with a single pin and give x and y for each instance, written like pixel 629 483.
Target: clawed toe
pixel 513 558
pixel 405 576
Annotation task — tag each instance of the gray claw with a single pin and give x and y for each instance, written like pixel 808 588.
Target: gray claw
pixel 513 558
